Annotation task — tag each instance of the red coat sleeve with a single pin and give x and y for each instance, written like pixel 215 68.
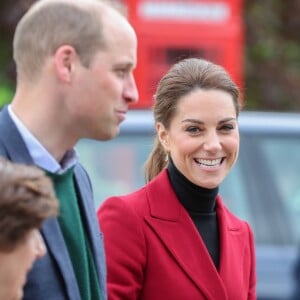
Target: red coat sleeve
pixel 125 249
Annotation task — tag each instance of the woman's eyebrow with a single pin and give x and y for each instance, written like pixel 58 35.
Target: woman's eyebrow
pixel 201 122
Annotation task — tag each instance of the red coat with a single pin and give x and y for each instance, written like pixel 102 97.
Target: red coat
pixel 154 251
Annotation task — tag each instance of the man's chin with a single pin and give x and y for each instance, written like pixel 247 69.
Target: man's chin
pixel 110 135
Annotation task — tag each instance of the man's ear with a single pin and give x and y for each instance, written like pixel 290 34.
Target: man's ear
pixel 64 59
pixel 163 136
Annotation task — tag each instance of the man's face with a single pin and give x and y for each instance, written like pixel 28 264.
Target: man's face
pixel 107 86
pixel 16 264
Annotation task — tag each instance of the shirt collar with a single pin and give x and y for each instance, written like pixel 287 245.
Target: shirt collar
pixel 41 157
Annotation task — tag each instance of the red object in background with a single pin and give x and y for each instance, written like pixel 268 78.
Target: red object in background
pixel 170 30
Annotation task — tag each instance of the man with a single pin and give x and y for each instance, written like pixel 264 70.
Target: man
pixel 75 61
pixel 27 199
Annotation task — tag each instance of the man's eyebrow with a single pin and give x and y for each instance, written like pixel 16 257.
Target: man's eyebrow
pixel 126 65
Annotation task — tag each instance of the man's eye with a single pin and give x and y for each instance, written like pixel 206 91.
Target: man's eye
pixel 121 72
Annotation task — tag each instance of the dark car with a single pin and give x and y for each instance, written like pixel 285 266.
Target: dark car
pixel 262 188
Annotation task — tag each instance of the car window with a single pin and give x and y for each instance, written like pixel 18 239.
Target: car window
pixel 115 167
pixel 234 193
pixel 283 154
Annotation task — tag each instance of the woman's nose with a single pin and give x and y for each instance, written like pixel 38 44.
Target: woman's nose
pixel 212 142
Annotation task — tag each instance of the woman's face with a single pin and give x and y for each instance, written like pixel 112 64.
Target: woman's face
pixel 16 264
pixel 203 138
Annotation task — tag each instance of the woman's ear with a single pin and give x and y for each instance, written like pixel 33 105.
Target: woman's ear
pixel 64 59
pixel 163 136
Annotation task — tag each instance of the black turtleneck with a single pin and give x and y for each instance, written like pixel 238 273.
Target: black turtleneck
pixel 200 204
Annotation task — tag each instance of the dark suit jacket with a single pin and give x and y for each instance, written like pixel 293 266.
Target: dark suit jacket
pixel 52 277
pixel 154 250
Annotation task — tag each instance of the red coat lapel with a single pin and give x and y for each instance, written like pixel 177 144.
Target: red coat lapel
pixel 234 269
pixel 172 224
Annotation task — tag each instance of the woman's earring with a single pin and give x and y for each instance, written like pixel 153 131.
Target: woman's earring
pixel 167 158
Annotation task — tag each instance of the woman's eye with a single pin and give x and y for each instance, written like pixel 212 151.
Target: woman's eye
pixel 193 129
pixel 227 127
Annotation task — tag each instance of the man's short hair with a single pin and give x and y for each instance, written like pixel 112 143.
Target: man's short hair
pixel 47 25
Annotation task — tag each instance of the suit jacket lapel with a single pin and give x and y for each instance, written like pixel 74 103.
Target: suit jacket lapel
pixel 177 232
pixel 86 202
pixel 16 151
pixel 56 246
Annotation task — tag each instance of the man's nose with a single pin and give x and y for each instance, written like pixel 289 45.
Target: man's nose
pixel 131 92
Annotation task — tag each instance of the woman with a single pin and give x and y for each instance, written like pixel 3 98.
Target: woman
pixel 26 200
pixel 174 238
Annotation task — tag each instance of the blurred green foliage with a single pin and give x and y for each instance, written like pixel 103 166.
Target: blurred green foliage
pixel 272 73
pixel 272 52
pixel 6 94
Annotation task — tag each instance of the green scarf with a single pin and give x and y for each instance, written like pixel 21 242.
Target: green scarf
pixel 75 236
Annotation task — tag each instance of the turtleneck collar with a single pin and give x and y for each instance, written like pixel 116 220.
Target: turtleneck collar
pixel 193 197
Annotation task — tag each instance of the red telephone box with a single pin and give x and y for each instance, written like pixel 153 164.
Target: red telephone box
pixel 170 30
